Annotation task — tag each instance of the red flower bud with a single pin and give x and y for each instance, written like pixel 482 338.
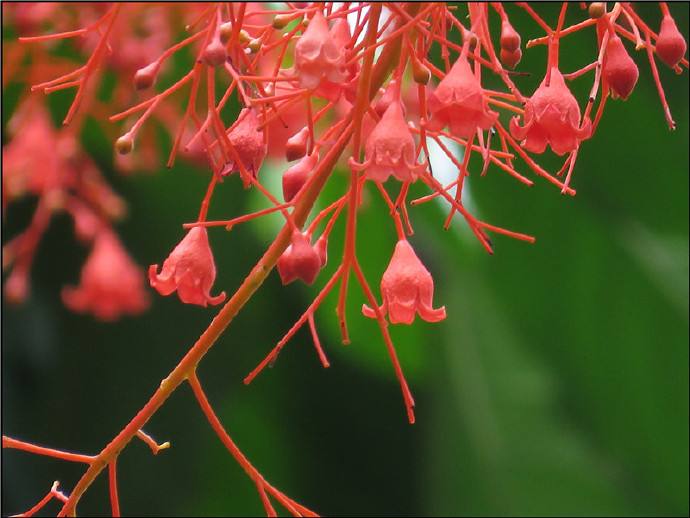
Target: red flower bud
pixel 510 39
pixel 214 54
pixel 297 175
pixel 620 71
pixel 670 45
pixel 300 260
pixel 511 59
pixel 146 76
pixel 296 146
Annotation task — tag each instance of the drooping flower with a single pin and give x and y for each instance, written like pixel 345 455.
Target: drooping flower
pixel 459 102
pixel 552 116
pixel 301 260
pixel 620 71
pixel 190 270
pixel 247 137
pixel 407 289
pixel 390 149
pixel 317 56
pixel 670 45
pixel 297 175
pixel 111 283
pixel 30 161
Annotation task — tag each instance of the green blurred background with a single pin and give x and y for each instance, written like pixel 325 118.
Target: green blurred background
pixel 557 386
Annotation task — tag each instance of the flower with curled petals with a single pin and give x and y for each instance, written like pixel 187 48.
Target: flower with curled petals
pixel 552 116
pixel 190 270
pixel 407 289
pixel 390 149
pixel 459 103
pixel 317 55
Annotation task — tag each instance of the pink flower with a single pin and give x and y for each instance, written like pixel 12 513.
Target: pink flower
pixel 301 260
pixel 247 137
pixel 407 289
pixel 390 149
pixel 111 283
pixel 317 56
pixel 459 103
pixel 552 116
pixel 31 162
pixel 620 71
pixel 189 269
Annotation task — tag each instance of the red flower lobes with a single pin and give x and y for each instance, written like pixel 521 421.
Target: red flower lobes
pixel 407 289
pixel 552 116
pixel 190 270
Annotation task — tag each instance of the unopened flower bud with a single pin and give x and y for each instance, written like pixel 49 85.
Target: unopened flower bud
pixel 244 37
pixel 670 45
pixel 124 144
pixel 297 175
pixel 597 9
pixel 146 76
pixel 301 260
pixel 420 72
pixel 254 45
pixel 281 20
pixel 296 146
pixel 620 71
pixel 214 54
pixel 510 39
pixel 511 59
pixel 224 32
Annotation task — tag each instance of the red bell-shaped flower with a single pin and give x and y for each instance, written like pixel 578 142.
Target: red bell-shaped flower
pixel 301 260
pixel 459 103
pixel 189 269
pixel 111 283
pixel 670 45
pixel 620 71
pixel 552 116
pixel 407 289
pixel 390 149
pixel 247 137
pixel 317 56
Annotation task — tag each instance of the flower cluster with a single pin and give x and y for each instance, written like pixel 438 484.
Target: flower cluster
pixel 345 87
